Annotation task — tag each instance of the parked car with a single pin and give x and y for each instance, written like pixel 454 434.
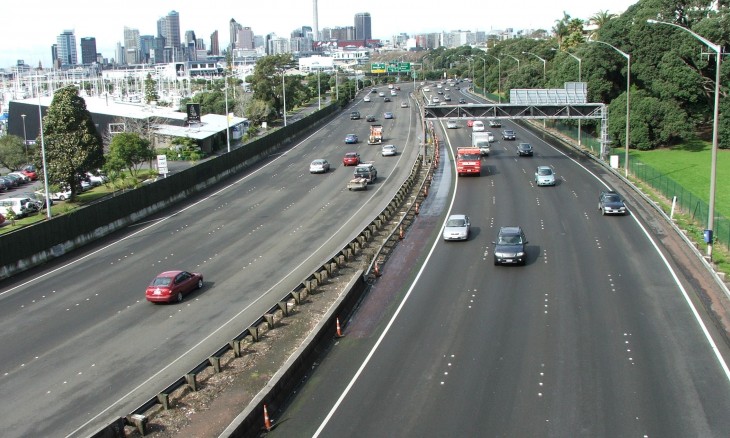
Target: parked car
pixel 319 165
pixel 457 227
pixel 510 246
pixel 2 219
pixel 31 171
pixel 524 149
pixel 96 179
pixel 508 134
pixel 172 286
pixel 610 202
pixel 544 176
pixel 388 150
pixel 19 181
pixel 21 206
pixel 23 178
pixel 10 183
pixel 351 159
pixel 351 139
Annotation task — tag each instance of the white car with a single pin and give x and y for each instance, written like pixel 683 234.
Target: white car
pixel 388 150
pixel 435 100
pixel 451 124
pixel 457 227
pixel 426 89
pixel 366 99
pixel 544 176
pixel 478 126
pixel 97 180
pixel 319 166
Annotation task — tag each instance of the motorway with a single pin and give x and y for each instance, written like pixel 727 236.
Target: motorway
pixel 599 335
pixel 80 345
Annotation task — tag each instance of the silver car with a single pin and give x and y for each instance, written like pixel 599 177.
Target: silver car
pixel 544 176
pixel 451 124
pixel 457 227
pixel 388 150
pixel 319 166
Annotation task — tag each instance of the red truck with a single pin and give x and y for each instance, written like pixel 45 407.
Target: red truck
pixel 468 161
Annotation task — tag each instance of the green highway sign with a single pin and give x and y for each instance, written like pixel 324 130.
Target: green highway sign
pixel 377 67
pixel 399 67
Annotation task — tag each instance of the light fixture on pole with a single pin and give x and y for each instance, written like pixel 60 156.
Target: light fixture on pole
pixel 43 155
pixel 484 77
pixel 228 118
pixel 499 76
pixel 628 100
pixel 25 138
pixel 544 63
pixel 715 126
pixel 580 71
pixel 283 93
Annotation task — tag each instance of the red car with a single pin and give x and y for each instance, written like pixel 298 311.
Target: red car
pixel 470 123
pixel 351 159
pixel 172 286
pixel 30 172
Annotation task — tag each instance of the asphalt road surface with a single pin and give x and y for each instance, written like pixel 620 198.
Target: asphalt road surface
pixel 598 335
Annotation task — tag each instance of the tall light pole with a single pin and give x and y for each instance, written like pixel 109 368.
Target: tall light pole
pixel 499 76
pixel 25 138
pixel 518 61
pixel 628 100
pixel 43 154
pixel 484 77
pixel 544 63
pixel 228 119
pixel 715 122
pixel 283 93
pixel 580 70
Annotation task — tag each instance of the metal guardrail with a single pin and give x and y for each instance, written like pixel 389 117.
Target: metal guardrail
pixel 138 418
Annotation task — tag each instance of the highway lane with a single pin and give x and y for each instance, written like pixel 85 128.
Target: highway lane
pixel 593 337
pixel 79 345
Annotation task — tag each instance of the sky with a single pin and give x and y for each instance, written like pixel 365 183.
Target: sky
pixel 29 30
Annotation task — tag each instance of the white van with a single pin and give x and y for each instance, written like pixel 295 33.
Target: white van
pixel 478 126
pixel 22 207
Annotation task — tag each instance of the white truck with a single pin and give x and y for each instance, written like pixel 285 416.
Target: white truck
pixel 482 140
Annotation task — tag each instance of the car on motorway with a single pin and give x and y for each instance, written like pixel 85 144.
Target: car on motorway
pixel 470 123
pixel 381 94
pixel 351 139
pixel 367 171
pixel 366 98
pixel 510 246
pixel 477 126
pixel 544 176
pixel 370 118
pixel 387 115
pixel 451 124
pixel 320 165
pixel 440 92
pixel 435 100
pixel 426 89
pixel 351 159
pixel 404 104
pixel 462 100
pixel 524 150
pixel 457 227
pixel 495 123
pixel 508 134
pixel 172 286
pixel 610 202
pixel 388 150
pixel 386 99
pixel 447 98
pixel 355 115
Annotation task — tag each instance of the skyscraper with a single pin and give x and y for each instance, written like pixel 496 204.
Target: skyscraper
pixel 169 27
pixel 88 50
pixel 244 38
pixel 131 45
pixel 215 49
pixel 233 29
pixel 362 26
pixel 66 48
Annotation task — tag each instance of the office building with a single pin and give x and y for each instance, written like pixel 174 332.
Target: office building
pixel 66 49
pixel 88 50
pixel 363 30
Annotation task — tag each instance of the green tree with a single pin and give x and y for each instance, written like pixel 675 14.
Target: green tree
pixel 12 152
pixel 73 145
pixel 602 17
pixel 150 90
pixel 129 151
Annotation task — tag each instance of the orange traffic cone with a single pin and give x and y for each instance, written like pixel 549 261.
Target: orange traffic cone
pixel 339 329
pixel 267 421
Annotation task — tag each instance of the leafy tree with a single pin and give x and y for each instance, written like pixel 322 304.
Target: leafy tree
pixel 12 152
pixel 128 150
pixel 73 145
pixel 258 111
pixel 150 90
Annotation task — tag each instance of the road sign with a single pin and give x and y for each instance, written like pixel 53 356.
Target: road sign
pixel 377 67
pixel 399 67
pixel 162 165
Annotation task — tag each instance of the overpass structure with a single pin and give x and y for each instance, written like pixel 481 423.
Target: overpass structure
pixel 566 103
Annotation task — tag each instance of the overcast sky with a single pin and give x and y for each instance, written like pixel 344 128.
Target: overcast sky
pixel 29 29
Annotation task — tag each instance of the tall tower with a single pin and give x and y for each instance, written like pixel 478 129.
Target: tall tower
pixel 215 49
pixel 316 22
pixel 233 29
pixel 362 27
pixel 66 47
pixel 88 50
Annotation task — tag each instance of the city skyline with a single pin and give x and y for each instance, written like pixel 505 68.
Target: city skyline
pixel 281 17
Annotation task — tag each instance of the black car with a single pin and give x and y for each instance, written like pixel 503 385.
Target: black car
pixel 462 100
pixel 495 124
pixel 524 149
pixel 508 134
pixel 386 99
pixel 370 118
pixel 510 246
pixel 610 202
pixel 355 115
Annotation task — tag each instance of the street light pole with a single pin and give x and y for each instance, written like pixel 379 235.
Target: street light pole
pixel 518 61
pixel 628 100
pixel 544 63
pixel 499 76
pixel 580 70
pixel 25 138
pixel 228 119
pixel 283 92
pixel 715 126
